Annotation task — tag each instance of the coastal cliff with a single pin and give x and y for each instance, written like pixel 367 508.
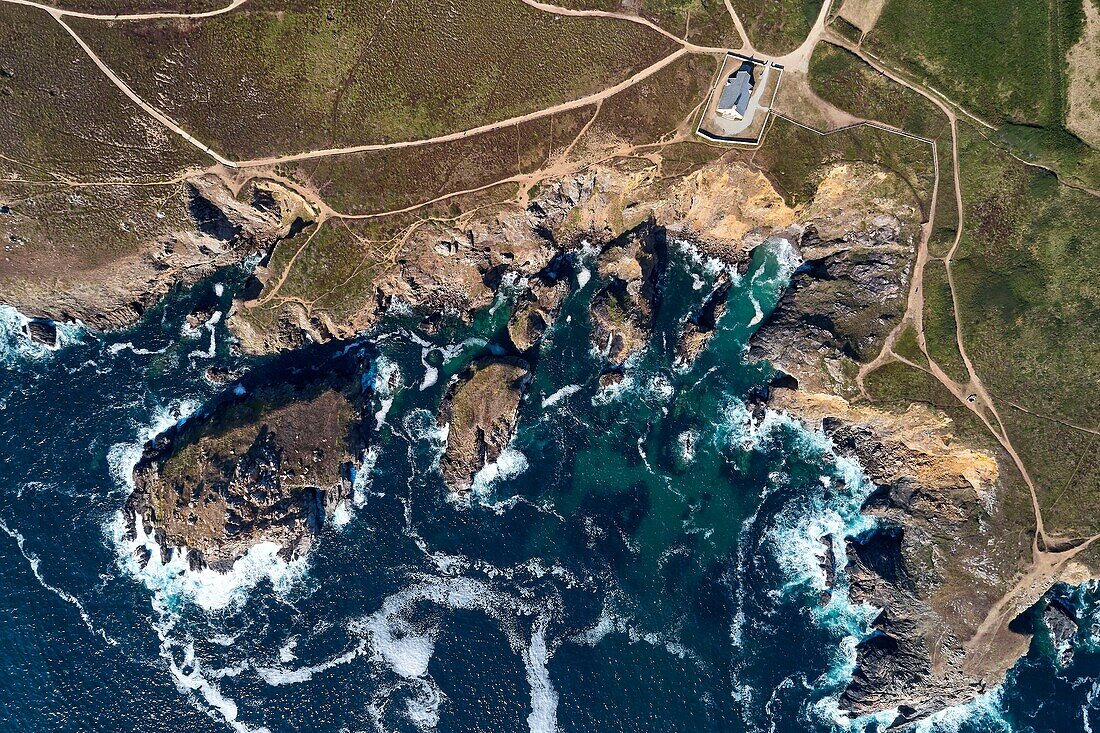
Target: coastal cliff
pixel 252 475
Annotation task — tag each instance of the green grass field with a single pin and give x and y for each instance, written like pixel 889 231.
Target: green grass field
pixel 1006 63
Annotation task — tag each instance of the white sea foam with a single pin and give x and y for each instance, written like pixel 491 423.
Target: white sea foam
pixel 561 394
pixel 278 676
pixel 405 646
pixel 341 515
pixel 509 464
pixel 686 443
pixel 583 276
pixel 985 709
pixel 210 325
pixel 16 344
pixel 511 285
pixel 363 477
pixel 423 710
pixel 123 457
pixel 190 679
pixel 129 346
pixel 173 579
pixel 693 260
pixel 544 698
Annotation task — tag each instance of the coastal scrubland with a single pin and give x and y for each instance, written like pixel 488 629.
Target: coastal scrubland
pixel 706 22
pixel 842 79
pixel 1007 64
pixel 275 78
pixel 777 26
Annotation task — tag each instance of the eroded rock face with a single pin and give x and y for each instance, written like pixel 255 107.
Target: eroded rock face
pixel 623 309
pixel 925 565
pixel 267 468
pixel 480 412
pixel 449 268
pixel 841 304
pixel 857 244
pixel 211 226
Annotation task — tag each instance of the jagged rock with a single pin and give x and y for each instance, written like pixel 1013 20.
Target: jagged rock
pixel 841 304
pixel 1061 625
pixel 700 326
pixel 927 564
pixel 623 309
pixel 269 467
pixel 220 375
pixel 480 411
pixel 42 331
pixel 198 317
pixel 611 378
pixel 450 269
pixel 538 306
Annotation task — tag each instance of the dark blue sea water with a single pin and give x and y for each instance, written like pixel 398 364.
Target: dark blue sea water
pixel 644 559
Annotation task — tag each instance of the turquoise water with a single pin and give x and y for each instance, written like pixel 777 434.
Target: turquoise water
pixel 640 559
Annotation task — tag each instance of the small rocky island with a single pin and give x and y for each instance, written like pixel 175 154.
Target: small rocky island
pixel 268 467
pixel 479 412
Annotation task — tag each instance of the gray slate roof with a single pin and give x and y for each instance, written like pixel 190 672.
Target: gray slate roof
pixel 736 93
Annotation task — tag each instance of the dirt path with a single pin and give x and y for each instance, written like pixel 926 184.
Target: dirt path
pixel 62 13
pixel 746 47
pixel 537 114
pixel 799 59
pixel 993 644
pixel 630 18
pixel 132 95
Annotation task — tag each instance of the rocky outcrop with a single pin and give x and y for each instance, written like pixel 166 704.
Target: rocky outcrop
pixel 700 326
pixel 451 268
pixel 42 331
pixel 69 273
pixel 926 565
pixel 1061 626
pixel 623 309
pixel 841 304
pixel 857 245
pixel 479 413
pixel 539 304
pixel 268 467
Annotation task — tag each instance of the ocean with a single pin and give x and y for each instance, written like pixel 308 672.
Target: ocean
pixel 642 558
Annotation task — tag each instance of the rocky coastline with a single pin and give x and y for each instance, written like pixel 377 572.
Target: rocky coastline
pixel 244 471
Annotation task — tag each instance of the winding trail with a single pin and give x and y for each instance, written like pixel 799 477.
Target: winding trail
pixel 1047 564
pixel 537 114
pixel 993 644
pixel 132 95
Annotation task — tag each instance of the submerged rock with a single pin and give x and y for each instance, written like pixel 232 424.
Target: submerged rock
pixel 480 412
pixel 270 467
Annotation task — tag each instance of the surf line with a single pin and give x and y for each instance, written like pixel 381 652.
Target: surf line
pixel 34 561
